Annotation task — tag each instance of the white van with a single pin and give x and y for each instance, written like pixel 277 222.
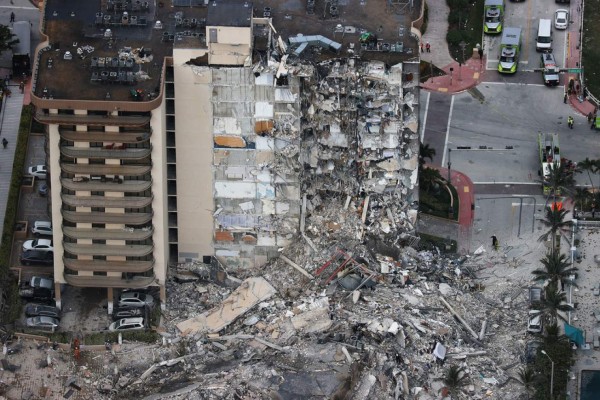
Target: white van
pixel 543 41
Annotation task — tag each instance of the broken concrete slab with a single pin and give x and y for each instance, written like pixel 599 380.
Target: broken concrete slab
pixel 311 321
pixel 250 292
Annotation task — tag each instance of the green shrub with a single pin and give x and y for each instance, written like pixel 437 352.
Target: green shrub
pixel 425 20
pixel 454 37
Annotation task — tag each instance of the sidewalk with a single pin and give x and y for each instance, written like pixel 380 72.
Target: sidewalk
pixel 461 78
pixel 572 61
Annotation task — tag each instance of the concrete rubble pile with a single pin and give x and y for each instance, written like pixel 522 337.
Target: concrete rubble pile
pixel 344 322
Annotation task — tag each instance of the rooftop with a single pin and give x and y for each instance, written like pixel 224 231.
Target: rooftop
pixel 229 13
pixel 110 51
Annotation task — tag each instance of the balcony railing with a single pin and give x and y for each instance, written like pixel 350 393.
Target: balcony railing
pixel 107 218
pixel 107 186
pixel 126 250
pixel 109 281
pixel 105 169
pixel 92 120
pixel 107 234
pixel 106 137
pixel 119 153
pixel 108 266
pixel 106 201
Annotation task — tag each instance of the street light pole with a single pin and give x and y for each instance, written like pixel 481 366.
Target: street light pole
pixel 551 373
pixel 449 165
pixel 451 69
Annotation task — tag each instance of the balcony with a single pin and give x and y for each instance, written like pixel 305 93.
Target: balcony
pixel 99 169
pixel 108 186
pixel 106 201
pixel 108 266
pixel 109 281
pixel 125 250
pixel 107 234
pixel 92 120
pixel 107 137
pixel 104 152
pixel 107 218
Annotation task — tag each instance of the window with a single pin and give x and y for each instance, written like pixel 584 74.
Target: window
pixel 212 32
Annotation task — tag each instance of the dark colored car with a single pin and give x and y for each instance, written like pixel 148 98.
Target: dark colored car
pixel 43 189
pixel 36 294
pixel 40 310
pixel 531 350
pixel 37 257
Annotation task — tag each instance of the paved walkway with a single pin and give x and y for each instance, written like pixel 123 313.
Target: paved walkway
pixel 10 118
pixel 437 28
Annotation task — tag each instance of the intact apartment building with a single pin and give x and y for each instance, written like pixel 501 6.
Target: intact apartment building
pixel 183 130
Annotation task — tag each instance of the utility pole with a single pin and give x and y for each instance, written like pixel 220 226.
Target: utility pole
pixel 451 69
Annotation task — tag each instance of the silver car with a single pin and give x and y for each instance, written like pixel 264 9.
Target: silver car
pixel 135 299
pixel 561 19
pixel 45 323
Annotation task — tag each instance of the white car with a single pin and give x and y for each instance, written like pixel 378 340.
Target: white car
pixel 39 171
pixel 38 244
pixel 41 282
pixel 42 228
pixel 534 322
pixel 135 299
pixel 561 19
pixel 127 324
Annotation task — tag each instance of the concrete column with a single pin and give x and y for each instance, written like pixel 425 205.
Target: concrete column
pixel 110 296
pixel 57 295
pixel 163 297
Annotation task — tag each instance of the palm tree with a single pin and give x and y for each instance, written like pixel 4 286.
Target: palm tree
pixel 555 221
pixel 428 178
pixel 553 336
pixel 455 378
pixel 556 269
pixel 588 166
pixel 581 196
pixel 559 179
pixel 553 303
pixel 425 152
pixel 527 379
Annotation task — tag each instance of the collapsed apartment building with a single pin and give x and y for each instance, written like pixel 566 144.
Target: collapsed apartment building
pixel 214 131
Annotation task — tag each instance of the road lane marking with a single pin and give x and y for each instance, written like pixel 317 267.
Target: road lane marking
pixel 447 132
pixel 425 117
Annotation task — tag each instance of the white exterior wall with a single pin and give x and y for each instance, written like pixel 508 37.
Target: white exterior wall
pixel 194 149
pixel 159 190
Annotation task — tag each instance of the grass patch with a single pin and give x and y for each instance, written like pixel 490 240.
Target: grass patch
pixel 428 70
pixel 438 203
pixel 590 50
pixel 12 204
pixel 429 242
pixel 465 23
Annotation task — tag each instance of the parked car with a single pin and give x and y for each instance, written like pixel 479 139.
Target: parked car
pixel 40 310
pixel 534 322
pixel 42 228
pixel 36 294
pixel 39 171
pixel 38 244
pixel 41 282
pixel 127 312
pixel 135 299
pixel 37 257
pixel 531 350
pixel 43 189
pixel 561 19
pixel 45 323
pixel 126 324
pixel 535 294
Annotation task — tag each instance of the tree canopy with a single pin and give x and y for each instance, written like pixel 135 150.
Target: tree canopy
pixel 7 38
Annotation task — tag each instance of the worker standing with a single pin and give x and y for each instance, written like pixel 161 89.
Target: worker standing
pixel 570 121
